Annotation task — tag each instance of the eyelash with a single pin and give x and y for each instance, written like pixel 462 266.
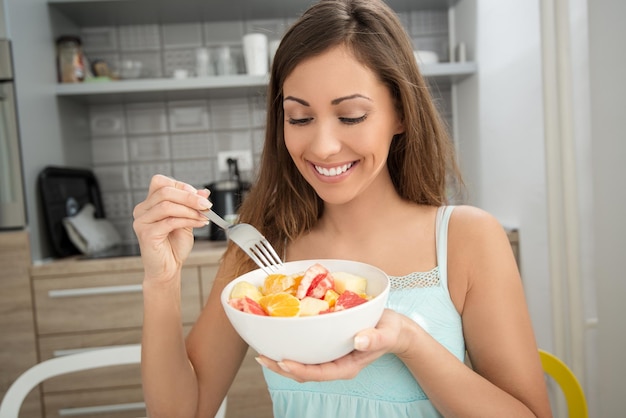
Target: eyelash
pixel 347 121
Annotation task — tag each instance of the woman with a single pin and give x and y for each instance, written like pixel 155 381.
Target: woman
pixel 356 165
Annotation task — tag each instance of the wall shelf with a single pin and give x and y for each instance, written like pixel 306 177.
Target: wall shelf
pixel 215 87
pixel 120 12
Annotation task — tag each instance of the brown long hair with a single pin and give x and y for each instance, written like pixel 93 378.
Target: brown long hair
pixel 281 204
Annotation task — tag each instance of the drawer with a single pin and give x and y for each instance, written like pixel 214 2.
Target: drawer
pixel 124 402
pixel 59 345
pixel 102 301
pixel 56 346
pixel 248 396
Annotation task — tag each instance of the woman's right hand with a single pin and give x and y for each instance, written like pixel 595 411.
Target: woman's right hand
pixel 164 225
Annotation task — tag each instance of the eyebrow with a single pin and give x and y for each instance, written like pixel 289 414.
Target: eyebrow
pixel 333 102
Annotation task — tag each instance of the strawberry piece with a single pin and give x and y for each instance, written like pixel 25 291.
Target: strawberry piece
pixel 314 277
pixel 348 299
pixel 245 304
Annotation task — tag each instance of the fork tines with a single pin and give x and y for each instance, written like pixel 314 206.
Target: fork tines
pixel 265 256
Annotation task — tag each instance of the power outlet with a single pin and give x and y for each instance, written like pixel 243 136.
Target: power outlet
pixel 243 157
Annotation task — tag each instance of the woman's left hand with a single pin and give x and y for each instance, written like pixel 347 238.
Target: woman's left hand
pixel 369 344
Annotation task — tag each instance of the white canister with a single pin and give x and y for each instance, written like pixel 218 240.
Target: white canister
pixel 255 52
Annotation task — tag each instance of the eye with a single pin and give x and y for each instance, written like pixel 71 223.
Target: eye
pixel 302 121
pixel 353 121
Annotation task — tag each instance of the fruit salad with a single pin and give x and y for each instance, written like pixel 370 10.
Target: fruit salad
pixel 312 292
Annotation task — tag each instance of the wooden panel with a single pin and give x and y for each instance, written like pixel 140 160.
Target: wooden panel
pixel 17 332
pixel 248 396
pixel 207 275
pixel 67 404
pixel 120 306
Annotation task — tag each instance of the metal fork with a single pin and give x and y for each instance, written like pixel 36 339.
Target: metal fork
pixel 251 241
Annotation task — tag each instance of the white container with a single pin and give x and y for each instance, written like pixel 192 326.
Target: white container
pixel 204 66
pixel 255 52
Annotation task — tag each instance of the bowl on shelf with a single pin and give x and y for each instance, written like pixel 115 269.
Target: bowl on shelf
pixel 130 69
pixel 310 339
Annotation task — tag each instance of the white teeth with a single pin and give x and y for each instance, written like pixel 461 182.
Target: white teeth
pixel 335 171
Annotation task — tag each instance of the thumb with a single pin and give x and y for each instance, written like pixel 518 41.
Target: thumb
pixel 367 340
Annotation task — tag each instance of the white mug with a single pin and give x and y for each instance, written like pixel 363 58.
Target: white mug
pixel 255 51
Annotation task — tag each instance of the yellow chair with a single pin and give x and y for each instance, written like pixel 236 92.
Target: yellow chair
pixel 573 392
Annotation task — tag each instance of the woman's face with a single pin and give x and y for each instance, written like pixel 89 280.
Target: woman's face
pixel 339 123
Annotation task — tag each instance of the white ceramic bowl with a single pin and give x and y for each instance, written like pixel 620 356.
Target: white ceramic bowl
pixel 310 339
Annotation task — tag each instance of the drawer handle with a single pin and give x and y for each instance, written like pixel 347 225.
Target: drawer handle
pixel 91 291
pixel 68 351
pixel 103 409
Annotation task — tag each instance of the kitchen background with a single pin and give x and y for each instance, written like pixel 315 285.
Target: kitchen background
pixel 525 162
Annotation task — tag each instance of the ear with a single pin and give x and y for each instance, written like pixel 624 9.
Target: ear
pixel 399 128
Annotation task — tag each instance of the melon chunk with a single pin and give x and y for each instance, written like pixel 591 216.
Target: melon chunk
pixel 348 281
pixel 312 306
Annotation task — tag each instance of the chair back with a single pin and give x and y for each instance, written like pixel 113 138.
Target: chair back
pixel 572 391
pixel 102 357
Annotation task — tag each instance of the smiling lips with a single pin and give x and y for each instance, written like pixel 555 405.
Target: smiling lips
pixel 333 171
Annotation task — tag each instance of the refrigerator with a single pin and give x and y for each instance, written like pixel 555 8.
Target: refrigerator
pixel 12 204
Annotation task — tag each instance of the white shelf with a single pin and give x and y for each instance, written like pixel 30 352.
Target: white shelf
pixel 219 86
pixel 119 12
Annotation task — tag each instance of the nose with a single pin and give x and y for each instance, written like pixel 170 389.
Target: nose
pixel 325 140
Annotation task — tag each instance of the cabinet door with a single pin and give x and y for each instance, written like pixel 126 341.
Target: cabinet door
pixel 17 333
pixel 248 396
pixel 124 402
pixel 102 301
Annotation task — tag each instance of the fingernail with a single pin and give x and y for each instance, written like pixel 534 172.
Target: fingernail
pixel 283 367
pixel 204 203
pixel 260 361
pixel 361 342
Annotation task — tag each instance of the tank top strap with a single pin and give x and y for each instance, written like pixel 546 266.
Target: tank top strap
pixel 441 242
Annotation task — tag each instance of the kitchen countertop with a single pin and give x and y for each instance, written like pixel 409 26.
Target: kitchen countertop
pixel 203 252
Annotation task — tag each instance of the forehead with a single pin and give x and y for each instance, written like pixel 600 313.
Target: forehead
pixel 335 72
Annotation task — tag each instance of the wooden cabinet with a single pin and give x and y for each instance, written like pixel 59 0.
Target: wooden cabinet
pixel 87 304
pixel 17 336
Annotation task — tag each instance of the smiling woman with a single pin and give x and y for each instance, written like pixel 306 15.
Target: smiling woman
pixel 355 166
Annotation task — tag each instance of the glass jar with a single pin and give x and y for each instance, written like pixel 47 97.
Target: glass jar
pixel 70 59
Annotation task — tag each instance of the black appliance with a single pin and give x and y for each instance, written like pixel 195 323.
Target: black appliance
pixel 63 192
pixel 226 196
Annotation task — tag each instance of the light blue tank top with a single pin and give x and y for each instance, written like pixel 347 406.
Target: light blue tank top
pixel 385 388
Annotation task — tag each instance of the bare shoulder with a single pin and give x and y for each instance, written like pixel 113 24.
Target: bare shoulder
pixel 471 225
pixel 478 249
pixel 472 220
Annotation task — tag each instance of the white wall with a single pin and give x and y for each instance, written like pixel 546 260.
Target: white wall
pixel 607 60
pixel 3 23
pixel 501 138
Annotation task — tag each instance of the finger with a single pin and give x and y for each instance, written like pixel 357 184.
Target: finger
pixel 164 189
pixel 159 180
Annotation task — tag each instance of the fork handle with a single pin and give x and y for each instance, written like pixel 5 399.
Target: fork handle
pixel 216 219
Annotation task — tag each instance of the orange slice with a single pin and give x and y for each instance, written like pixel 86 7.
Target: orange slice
pixel 331 297
pixel 277 283
pixel 280 304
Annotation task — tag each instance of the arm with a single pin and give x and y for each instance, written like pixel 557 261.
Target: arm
pixel 164 223
pixel 506 378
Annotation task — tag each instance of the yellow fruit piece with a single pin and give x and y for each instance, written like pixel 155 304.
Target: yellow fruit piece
pixel 331 297
pixel 347 281
pixel 243 289
pixel 280 304
pixel 312 306
pixel 277 283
